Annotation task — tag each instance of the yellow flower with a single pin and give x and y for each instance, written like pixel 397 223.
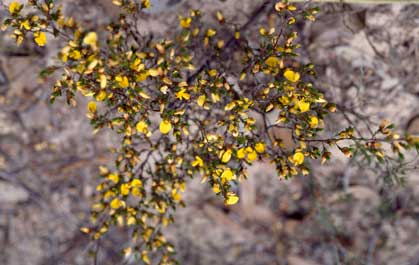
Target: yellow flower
pixel 226 156
pixel 25 24
pixel 153 72
pixel 241 153
pixel 298 158
pixel 211 32
pixel 85 230
pixel 116 203
pixel 40 38
pixel 131 220
pixel 252 155
pixel 182 94
pixel 91 107
pixel 230 106
pixel 176 196
pixel 279 6
pixel 212 72
pixel 146 3
pixel 227 175
pixel 314 122
pixel 198 162
pixel 136 192
pixel 122 81
pixel 291 76
pixel 142 127
pixel 291 8
pixel 216 188
pixel 14 7
pixel 185 22
pixel 201 100
pixel 260 147
pixel 231 199
pixel 272 61
pixel 145 258
pixel 101 96
pixel 125 189
pixel 165 126
pixel 90 39
pixel 303 106
pixel 136 183
pixel 114 178
pixel 103 81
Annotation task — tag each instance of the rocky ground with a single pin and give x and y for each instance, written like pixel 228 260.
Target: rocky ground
pixel 368 60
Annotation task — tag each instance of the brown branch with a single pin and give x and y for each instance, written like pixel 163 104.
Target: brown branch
pixel 255 14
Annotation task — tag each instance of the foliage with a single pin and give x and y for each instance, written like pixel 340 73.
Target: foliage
pixel 188 106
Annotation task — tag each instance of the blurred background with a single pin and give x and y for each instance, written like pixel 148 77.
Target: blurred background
pixel 367 58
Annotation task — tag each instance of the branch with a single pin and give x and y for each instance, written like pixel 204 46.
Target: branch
pixel 254 15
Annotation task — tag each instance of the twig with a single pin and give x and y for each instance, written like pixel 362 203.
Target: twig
pixel 255 14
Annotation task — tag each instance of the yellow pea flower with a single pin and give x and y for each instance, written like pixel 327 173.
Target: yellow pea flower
pixel 226 156
pixel 165 126
pixel 131 220
pixel 122 81
pixel 291 76
pixel 136 192
pixel 212 72
pixel 303 106
pixel 146 3
pixel 153 72
pixel 182 94
pixel 176 196
pixel 185 22
pixel 103 81
pixel 136 183
pixel 201 100
pixel 252 155
pixel 215 97
pixel 91 107
pixel 145 258
pixel 116 203
pixel 90 39
pixel 40 38
pixel 114 178
pixel 292 8
pixel 216 188
pixel 125 189
pixel 230 106
pixel 198 162
pixel 211 32
pixel 101 96
pixel 85 230
pixel 142 127
pixel 14 7
pixel 260 147
pixel 241 153
pixel 231 199
pixel 227 175
pixel 314 122
pixel 298 158
pixel 272 61
pixel 25 24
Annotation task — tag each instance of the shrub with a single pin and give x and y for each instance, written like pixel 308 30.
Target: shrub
pixel 197 104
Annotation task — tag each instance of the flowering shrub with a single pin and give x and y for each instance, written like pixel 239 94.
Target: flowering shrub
pixel 197 104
